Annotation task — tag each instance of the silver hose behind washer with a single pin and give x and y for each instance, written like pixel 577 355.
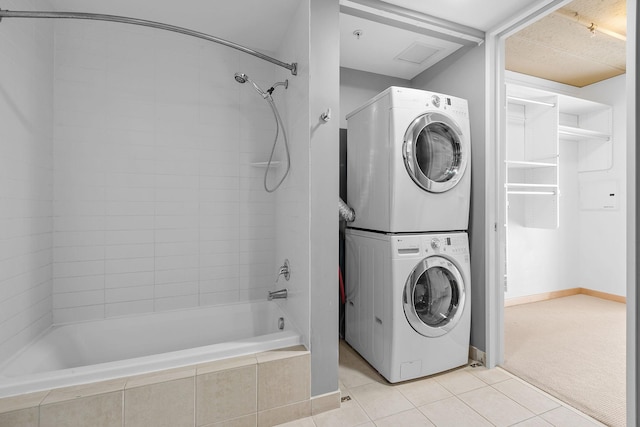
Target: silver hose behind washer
pixel 345 211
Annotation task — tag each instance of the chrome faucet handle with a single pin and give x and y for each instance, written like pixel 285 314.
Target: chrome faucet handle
pixel 284 271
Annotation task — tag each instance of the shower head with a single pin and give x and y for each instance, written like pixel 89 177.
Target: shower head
pixel 241 77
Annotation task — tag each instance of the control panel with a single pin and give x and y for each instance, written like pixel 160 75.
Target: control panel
pixel 430 243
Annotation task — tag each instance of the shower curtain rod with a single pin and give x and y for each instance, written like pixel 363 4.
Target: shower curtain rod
pixel 293 67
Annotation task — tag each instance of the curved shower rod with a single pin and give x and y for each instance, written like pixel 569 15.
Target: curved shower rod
pixel 293 67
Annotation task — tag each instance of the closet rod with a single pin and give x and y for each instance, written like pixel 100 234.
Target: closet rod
pixel 534 193
pixel 293 67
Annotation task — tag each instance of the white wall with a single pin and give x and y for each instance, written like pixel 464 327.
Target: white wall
pixel 157 205
pixel 26 101
pixel 603 233
pixel 463 75
pixel 292 207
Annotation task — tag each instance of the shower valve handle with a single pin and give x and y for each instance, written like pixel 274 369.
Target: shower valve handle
pixel 284 271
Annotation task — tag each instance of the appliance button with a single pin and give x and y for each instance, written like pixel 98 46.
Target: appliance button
pixel 435 243
pixel 435 100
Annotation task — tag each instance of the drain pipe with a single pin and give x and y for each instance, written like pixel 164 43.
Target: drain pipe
pixel 346 212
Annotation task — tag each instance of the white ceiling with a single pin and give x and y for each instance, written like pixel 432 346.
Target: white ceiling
pixel 381 48
pixel 391 27
pixel 479 14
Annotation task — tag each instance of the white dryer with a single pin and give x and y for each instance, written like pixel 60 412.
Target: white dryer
pixel 408 309
pixel 408 162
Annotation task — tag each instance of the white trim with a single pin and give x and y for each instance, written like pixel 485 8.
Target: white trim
pixel 632 200
pixel 401 16
pixel 493 322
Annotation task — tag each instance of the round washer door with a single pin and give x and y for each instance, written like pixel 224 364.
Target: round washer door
pixel 435 152
pixel 434 296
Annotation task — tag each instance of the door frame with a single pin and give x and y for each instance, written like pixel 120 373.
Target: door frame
pixel 495 208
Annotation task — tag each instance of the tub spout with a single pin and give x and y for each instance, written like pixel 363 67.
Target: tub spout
pixel 279 294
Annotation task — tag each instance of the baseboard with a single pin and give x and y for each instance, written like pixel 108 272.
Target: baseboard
pixel 325 402
pixel 541 297
pixel 604 295
pixel 560 294
pixel 477 355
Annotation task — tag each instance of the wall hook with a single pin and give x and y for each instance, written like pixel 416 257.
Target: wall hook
pixel 326 116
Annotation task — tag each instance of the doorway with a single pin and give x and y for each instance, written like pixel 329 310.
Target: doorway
pixel 529 214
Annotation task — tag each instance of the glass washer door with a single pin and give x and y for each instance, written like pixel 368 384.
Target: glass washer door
pixel 434 296
pixel 435 152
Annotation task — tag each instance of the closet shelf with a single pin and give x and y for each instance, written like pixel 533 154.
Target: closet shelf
pixel 517 164
pixel 575 134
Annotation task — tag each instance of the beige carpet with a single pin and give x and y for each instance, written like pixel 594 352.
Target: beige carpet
pixel 574 349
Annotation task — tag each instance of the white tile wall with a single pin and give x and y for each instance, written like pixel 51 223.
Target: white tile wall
pixel 156 205
pixel 293 207
pixel 26 103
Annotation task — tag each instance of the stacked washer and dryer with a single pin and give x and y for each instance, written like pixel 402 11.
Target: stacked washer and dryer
pixel 407 265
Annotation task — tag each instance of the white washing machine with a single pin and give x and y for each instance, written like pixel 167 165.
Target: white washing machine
pixel 408 307
pixel 409 162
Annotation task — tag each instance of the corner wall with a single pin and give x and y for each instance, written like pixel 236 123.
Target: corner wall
pixel 602 253
pixel 26 190
pixel 357 87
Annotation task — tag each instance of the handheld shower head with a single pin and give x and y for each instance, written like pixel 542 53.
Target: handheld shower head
pixel 241 77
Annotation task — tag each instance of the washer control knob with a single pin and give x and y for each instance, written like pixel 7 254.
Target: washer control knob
pixel 435 243
pixel 435 100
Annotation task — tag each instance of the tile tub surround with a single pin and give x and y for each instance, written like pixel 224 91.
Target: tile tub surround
pixel 264 389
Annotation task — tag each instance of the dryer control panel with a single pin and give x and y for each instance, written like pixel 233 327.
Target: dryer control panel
pixel 430 243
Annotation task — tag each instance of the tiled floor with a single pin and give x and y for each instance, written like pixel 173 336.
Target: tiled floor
pixel 465 397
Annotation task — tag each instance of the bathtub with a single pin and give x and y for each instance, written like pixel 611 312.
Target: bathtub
pixel 92 351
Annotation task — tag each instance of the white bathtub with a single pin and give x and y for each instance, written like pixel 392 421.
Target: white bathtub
pixel 98 350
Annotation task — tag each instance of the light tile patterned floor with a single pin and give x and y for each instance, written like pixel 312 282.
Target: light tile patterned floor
pixel 468 396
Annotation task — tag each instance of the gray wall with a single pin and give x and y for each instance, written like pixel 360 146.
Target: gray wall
pixel 463 75
pixel 324 67
pixel 357 87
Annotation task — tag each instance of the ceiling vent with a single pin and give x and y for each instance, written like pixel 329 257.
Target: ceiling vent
pixel 417 53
